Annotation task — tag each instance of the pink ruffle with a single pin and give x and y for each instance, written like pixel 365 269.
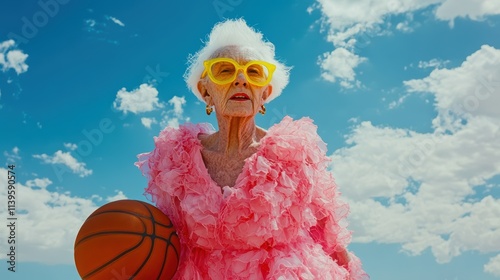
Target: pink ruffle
pixel 282 218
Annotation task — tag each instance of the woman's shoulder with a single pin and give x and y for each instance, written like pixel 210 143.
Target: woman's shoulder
pixel 183 132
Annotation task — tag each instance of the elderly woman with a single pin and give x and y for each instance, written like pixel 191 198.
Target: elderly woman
pixel 248 203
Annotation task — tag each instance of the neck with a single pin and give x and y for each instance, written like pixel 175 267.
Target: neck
pixel 236 134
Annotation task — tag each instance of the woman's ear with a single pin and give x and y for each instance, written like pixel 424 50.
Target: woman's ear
pixel 201 88
pixel 267 92
pixel 204 92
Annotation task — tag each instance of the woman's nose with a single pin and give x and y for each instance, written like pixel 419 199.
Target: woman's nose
pixel 240 79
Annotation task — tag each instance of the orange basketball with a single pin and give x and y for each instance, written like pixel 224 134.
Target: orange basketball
pixel 127 239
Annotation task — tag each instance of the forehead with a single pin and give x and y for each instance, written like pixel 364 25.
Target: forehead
pixel 238 53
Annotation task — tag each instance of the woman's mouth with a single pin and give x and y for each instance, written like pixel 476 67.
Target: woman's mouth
pixel 239 97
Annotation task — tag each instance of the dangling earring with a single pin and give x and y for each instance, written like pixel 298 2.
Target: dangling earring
pixel 209 109
pixel 262 109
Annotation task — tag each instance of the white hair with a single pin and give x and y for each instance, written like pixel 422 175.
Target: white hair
pixel 236 33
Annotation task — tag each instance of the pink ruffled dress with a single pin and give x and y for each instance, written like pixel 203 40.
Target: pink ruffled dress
pixel 281 220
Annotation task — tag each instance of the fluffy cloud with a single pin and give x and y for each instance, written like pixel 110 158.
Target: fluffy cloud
pixel 173 117
pixel 118 196
pixel 70 146
pixel 177 102
pixel 41 183
pixel 50 220
pixel 340 64
pixel 147 122
pixel 493 266
pixel 66 159
pixel 140 100
pixel 12 58
pixel 465 92
pixel 475 10
pixel 431 190
pixel 351 24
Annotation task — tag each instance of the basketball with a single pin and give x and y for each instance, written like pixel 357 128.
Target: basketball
pixel 127 239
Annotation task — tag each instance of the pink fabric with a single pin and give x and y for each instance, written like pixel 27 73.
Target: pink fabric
pixel 281 220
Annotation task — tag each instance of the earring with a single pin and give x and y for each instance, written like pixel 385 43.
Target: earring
pixel 209 109
pixel 262 109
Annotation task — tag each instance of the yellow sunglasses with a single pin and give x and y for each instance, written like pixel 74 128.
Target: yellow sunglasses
pixel 224 70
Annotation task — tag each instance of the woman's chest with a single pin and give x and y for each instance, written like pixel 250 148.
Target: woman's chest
pixel 223 170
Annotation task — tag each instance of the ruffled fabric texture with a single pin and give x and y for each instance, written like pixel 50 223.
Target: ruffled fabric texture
pixel 282 219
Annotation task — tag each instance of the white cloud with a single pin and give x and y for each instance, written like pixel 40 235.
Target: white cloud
pixel 426 181
pixel 147 122
pixel 70 146
pixel 170 122
pixel 473 89
pixel 352 24
pixel 5 45
pixel 117 21
pixel 353 17
pixel 474 10
pixel 118 196
pixel 41 183
pixel 174 116
pixel 339 64
pixel 140 100
pixel 12 59
pixel 493 266
pixel 14 156
pixel 66 159
pixel 433 63
pixel 421 189
pixel 404 27
pixel 395 104
pixel 50 220
pixel 177 102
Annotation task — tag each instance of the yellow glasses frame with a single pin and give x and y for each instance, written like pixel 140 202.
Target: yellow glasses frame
pixel 209 63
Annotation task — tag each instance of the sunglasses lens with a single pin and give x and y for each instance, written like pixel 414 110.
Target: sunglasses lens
pixel 257 73
pixel 225 72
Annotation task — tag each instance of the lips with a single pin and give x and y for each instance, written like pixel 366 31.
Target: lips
pixel 240 97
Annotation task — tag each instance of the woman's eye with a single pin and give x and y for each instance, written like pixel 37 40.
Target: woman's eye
pixel 253 71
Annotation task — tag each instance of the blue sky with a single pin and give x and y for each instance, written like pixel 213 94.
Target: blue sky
pixel 405 93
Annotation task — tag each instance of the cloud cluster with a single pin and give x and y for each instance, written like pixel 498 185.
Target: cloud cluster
pixel 432 190
pixel 339 64
pixel 449 10
pixel 50 220
pixel 67 160
pixel 174 116
pixel 11 58
pixel 351 24
pixel 465 92
pixel 493 266
pixel 145 99
pixel 139 100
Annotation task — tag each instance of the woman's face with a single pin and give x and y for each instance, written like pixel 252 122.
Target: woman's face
pixel 238 98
